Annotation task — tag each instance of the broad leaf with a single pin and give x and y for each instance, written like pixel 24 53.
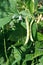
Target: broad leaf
pixel 5 20
pixel 34 30
pixel 32 3
pixel 17 55
pixel 13 5
pixel 39 36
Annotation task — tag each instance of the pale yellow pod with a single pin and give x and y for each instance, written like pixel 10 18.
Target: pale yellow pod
pixel 27 26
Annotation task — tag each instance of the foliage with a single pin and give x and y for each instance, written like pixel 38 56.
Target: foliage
pixel 21 32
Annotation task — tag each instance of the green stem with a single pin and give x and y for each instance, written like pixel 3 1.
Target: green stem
pixel 32 62
pixel 5 49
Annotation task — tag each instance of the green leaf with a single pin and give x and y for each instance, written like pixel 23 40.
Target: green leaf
pixel 38 44
pixel 34 30
pixel 41 23
pixel 13 5
pixel 23 24
pixel 39 36
pixel 17 55
pixel 41 60
pixel 4 21
pixel 36 3
pixel 32 6
pixel 28 57
pixel 37 53
pixel 1 60
pixel 40 10
pixel 26 13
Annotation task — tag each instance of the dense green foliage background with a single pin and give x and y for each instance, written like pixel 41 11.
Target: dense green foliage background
pixel 16 27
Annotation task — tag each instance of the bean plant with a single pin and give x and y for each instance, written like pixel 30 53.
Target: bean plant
pixel 21 32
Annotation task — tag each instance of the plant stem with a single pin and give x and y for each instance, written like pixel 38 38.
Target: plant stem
pixel 5 49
